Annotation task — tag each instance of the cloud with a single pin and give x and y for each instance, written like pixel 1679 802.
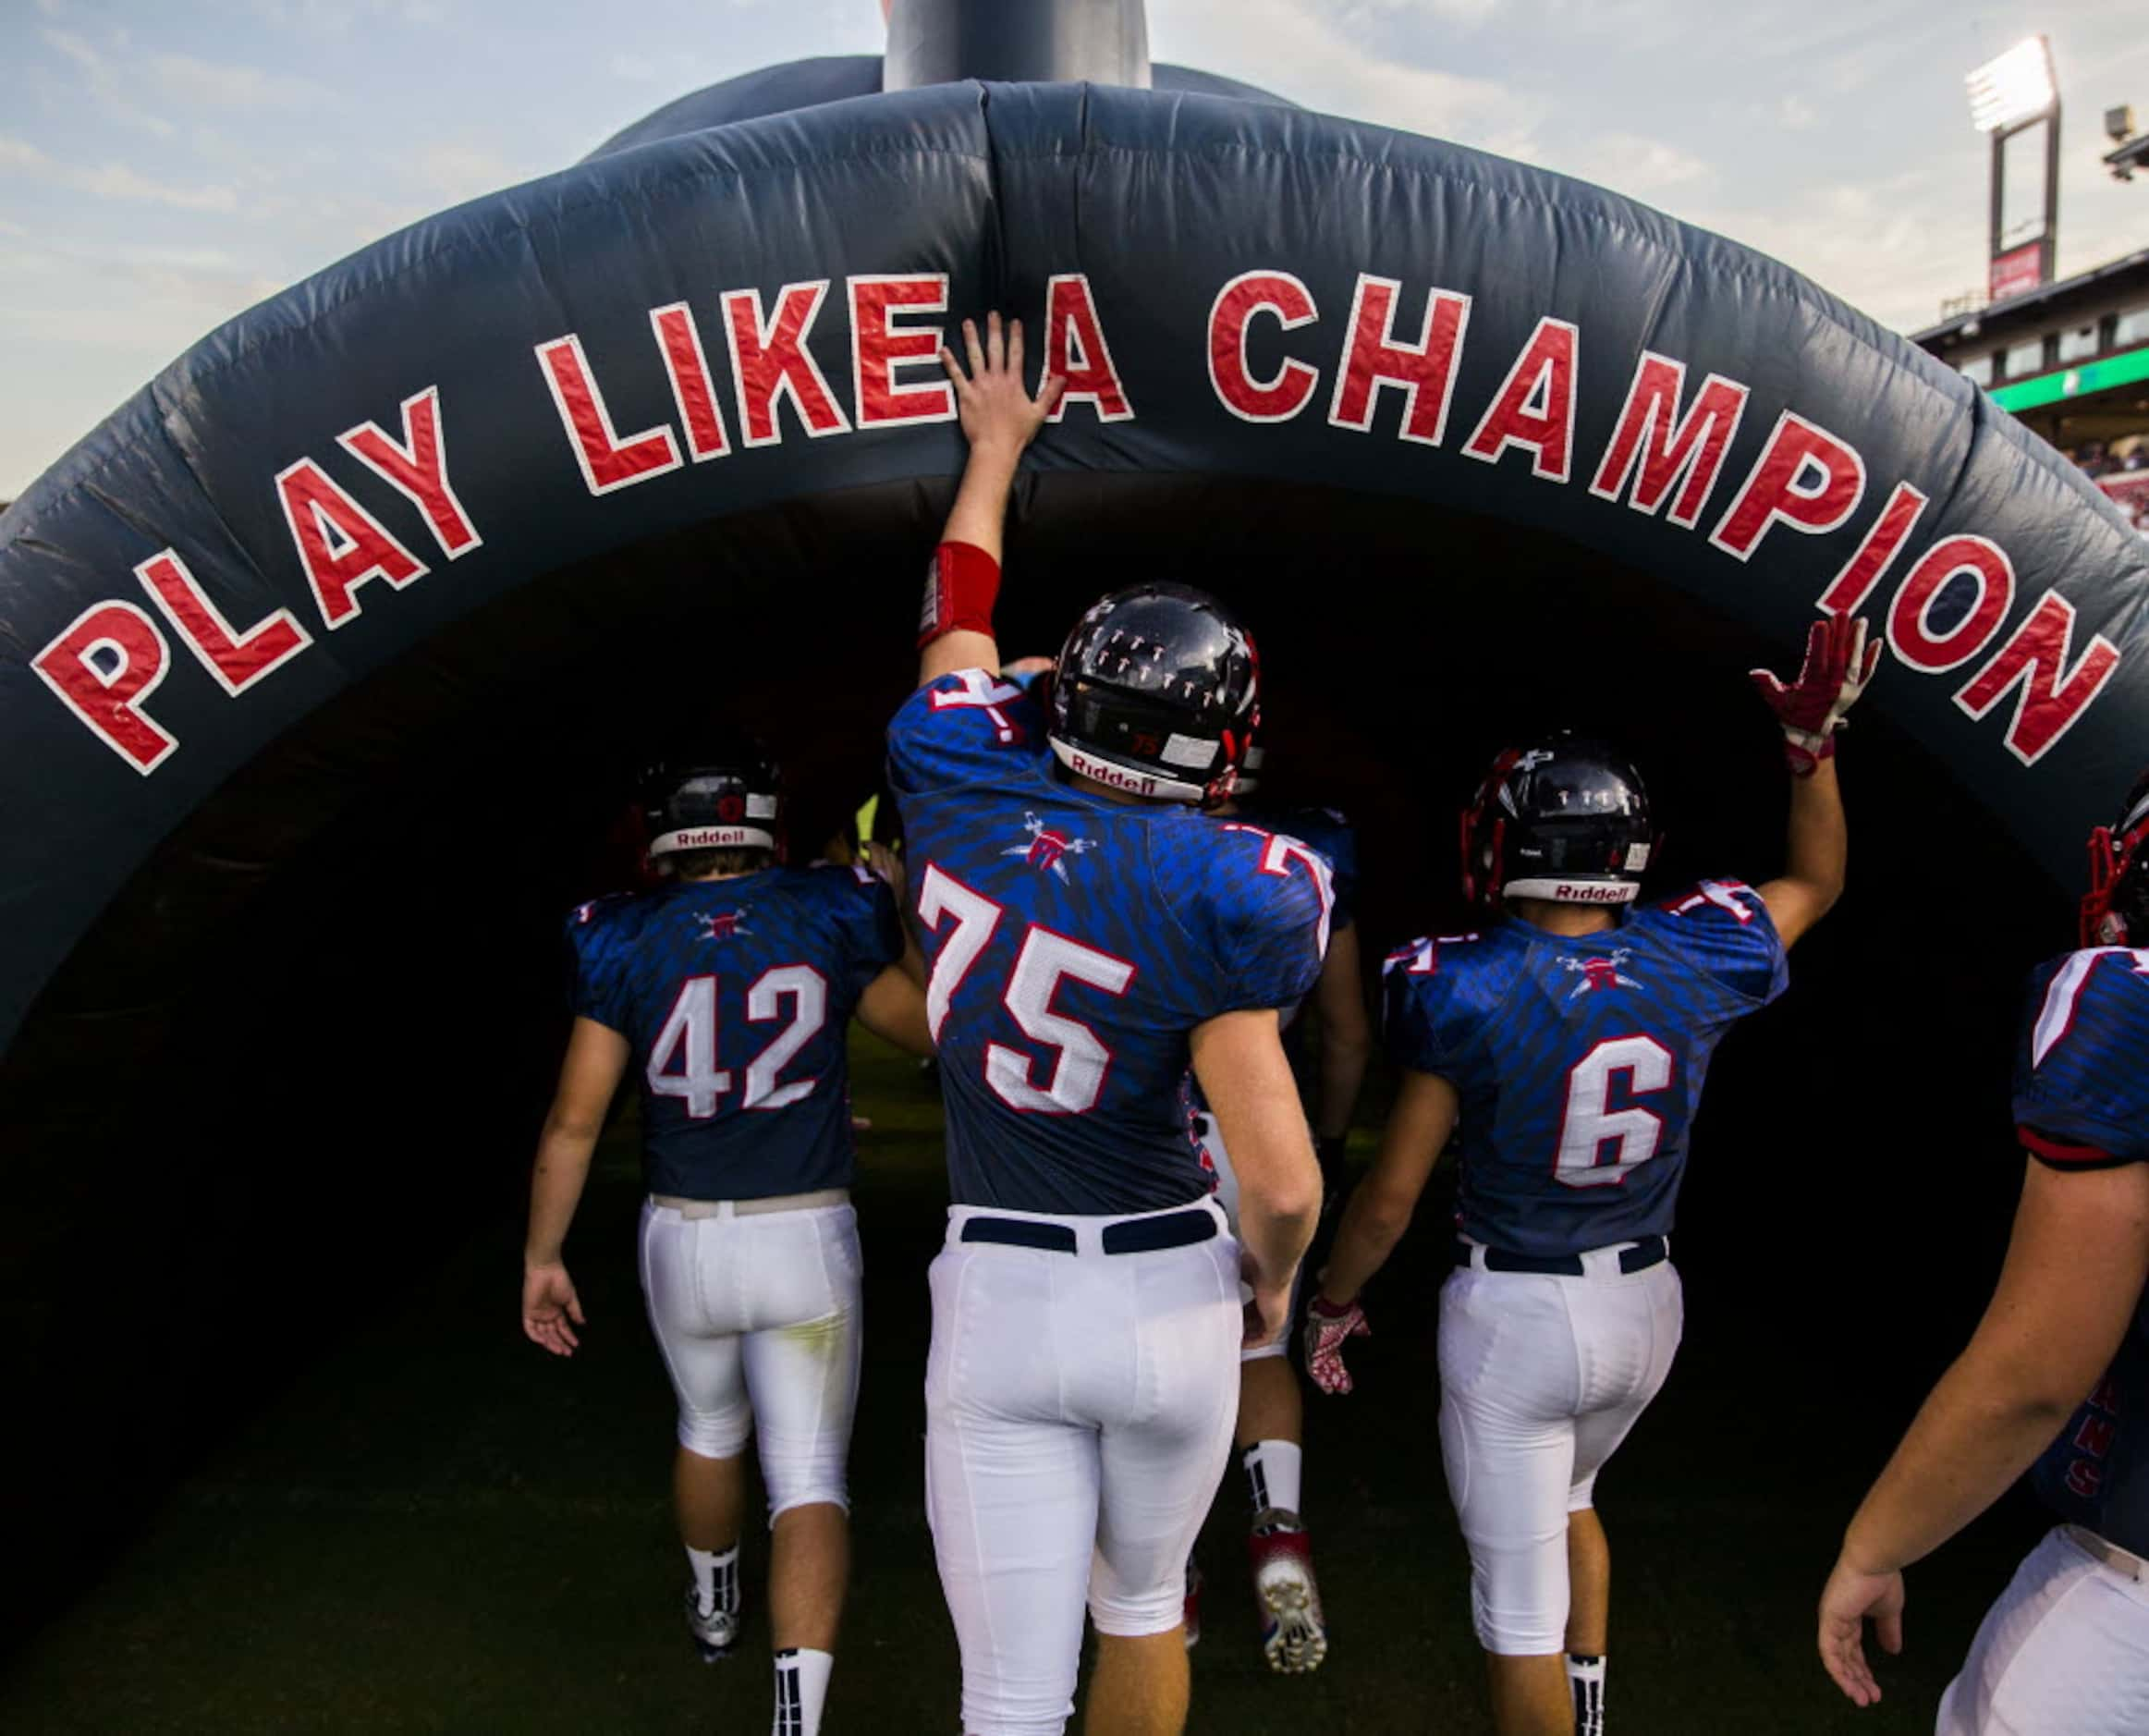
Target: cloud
pixel 213 84
pixel 460 170
pixel 113 180
pixel 102 80
pixel 1795 115
pixel 1306 50
pixel 1641 168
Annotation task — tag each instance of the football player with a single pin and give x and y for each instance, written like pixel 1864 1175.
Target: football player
pixel 2065 1346
pixel 1568 1038
pixel 1271 1430
pixel 727 989
pixel 1092 935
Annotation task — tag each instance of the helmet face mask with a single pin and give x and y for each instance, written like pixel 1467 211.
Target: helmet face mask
pixel 1565 819
pixel 2115 910
pixel 1156 693
pixel 728 797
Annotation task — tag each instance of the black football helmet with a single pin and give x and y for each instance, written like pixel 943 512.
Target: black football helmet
pixel 721 794
pixel 2115 911
pixel 1157 693
pixel 1562 818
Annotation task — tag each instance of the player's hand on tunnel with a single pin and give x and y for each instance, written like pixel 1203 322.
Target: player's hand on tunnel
pixel 1839 662
pixel 1850 1599
pixel 996 410
pixel 551 1309
pixel 887 864
pixel 1329 1326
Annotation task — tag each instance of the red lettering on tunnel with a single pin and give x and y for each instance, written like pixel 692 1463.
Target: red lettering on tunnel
pixel 770 362
pixel 417 466
pixel 1910 632
pixel 237 660
pixel 1876 554
pixel 1661 449
pixel 688 364
pixel 1373 356
pixel 878 346
pixel 1805 478
pixel 1534 406
pixel 608 461
pixel 340 544
pixel 1289 390
pixel 1076 350
pixel 2053 696
pixel 103 664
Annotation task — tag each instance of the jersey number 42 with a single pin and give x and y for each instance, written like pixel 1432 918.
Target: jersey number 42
pixel 688 1038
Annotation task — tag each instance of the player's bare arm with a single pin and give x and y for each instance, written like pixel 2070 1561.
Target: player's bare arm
pixel 1239 1057
pixel 1345 1033
pixel 1840 663
pixel 596 1058
pixel 2075 1265
pixel 1379 1211
pixel 999 416
pixel 893 1008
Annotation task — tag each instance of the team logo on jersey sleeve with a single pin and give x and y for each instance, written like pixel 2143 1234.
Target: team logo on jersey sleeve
pixel 1599 974
pixel 1048 848
pixel 723 924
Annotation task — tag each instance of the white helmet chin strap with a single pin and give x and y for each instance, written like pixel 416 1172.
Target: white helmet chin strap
pixel 1136 780
pixel 712 838
pixel 1554 891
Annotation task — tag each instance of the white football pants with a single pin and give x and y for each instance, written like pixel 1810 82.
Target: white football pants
pixel 1540 1377
pixel 1079 1410
pixel 2063 1652
pixel 758 1317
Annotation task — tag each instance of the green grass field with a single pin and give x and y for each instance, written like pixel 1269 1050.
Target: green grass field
pixel 434 1527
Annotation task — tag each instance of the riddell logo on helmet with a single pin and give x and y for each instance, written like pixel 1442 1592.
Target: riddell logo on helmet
pixel 1118 777
pixel 1591 894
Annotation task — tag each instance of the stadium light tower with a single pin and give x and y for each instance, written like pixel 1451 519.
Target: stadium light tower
pixel 2008 97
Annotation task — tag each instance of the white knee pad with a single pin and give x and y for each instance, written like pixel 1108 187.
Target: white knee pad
pixel 807 1473
pixel 1518 1598
pixel 717 1434
pixel 1133 1612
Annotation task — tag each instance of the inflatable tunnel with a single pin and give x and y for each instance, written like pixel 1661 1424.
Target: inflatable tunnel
pixel 326 656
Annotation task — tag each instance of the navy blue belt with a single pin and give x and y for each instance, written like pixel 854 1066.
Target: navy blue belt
pixel 1648 1252
pixel 1135 1235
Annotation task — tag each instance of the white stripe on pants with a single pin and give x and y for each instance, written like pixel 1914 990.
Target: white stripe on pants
pixel 758 1317
pixel 2064 1651
pixel 1078 1414
pixel 1540 1377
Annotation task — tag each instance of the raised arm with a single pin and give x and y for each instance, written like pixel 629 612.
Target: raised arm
pixel 595 1059
pixel 1239 1057
pixel 1839 665
pixel 2075 1269
pixel 893 1008
pixel 999 418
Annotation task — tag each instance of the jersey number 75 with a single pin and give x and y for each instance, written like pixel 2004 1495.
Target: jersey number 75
pixel 1046 958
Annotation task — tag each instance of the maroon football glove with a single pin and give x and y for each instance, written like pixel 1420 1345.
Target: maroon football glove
pixel 1839 665
pixel 1328 1326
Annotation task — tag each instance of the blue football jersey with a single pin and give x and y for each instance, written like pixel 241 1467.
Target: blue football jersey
pixel 1330 834
pixel 736 995
pixel 1580 1060
pixel 2081 1102
pixel 1075 943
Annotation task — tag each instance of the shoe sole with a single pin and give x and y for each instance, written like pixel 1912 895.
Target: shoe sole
pixel 1299 1642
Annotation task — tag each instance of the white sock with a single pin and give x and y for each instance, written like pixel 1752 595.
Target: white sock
pixel 715 1578
pixel 802 1690
pixel 1586 1677
pixel 1273 1470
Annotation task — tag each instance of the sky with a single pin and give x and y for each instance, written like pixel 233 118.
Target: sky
pixel 165 163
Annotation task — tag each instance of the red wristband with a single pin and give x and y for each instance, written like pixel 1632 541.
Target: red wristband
pixel 961 585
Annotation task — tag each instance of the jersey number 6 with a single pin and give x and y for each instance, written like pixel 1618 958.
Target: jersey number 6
pixel 1078 1073
pixel 1598 1144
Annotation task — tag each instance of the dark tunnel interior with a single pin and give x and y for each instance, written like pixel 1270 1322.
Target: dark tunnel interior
pixel 310 1043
